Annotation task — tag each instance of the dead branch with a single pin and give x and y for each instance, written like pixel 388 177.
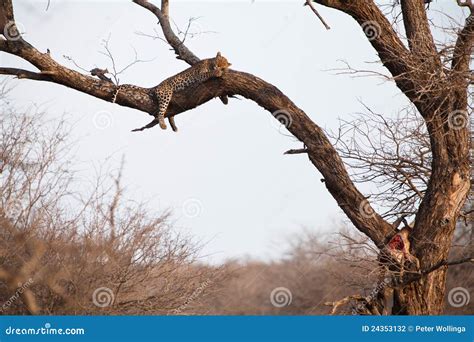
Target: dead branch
pixel 315 11
pixel 297 151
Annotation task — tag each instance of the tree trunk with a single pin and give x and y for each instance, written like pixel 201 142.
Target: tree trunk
pixel 422 297
pixel 439 211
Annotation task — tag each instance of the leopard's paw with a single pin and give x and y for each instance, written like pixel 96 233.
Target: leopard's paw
pixel 162 123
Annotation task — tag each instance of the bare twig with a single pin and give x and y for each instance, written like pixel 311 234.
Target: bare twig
pixel 297 151
pixel 310 4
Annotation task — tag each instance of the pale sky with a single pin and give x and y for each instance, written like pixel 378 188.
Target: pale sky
pixel 227 159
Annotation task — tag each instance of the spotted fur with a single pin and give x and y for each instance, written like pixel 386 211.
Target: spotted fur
pixel 198 73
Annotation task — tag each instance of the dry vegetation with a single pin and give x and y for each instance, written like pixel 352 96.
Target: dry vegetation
pixel 65 252
pixel 58 246
pixel 421 180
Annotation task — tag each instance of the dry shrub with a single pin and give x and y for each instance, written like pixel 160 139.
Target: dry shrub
pixel 62 252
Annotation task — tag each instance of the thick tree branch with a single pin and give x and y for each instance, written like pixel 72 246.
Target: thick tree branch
pixel 21 73
pixel 52 71
pixel 466 3
pixel 418 31
pixel 414 276
pixel 6 13
pixel 165 8
pixel 462 55
pixel 182 52
pixel 448 126
pixel 447 263
pixel 380 33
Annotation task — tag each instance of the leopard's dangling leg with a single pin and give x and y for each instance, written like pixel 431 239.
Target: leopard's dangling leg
pixel 159 118
pixel 161 114
pixel 173 123
pixel 164 97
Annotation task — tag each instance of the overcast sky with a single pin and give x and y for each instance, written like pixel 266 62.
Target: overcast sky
pixel 227 160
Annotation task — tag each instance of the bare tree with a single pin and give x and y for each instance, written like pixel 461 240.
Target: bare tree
pixel 436 86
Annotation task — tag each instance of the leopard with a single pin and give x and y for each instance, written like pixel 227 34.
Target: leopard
pixel 163 92
pixel 198 73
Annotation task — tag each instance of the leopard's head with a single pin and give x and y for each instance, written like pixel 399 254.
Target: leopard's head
pixel 222 62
